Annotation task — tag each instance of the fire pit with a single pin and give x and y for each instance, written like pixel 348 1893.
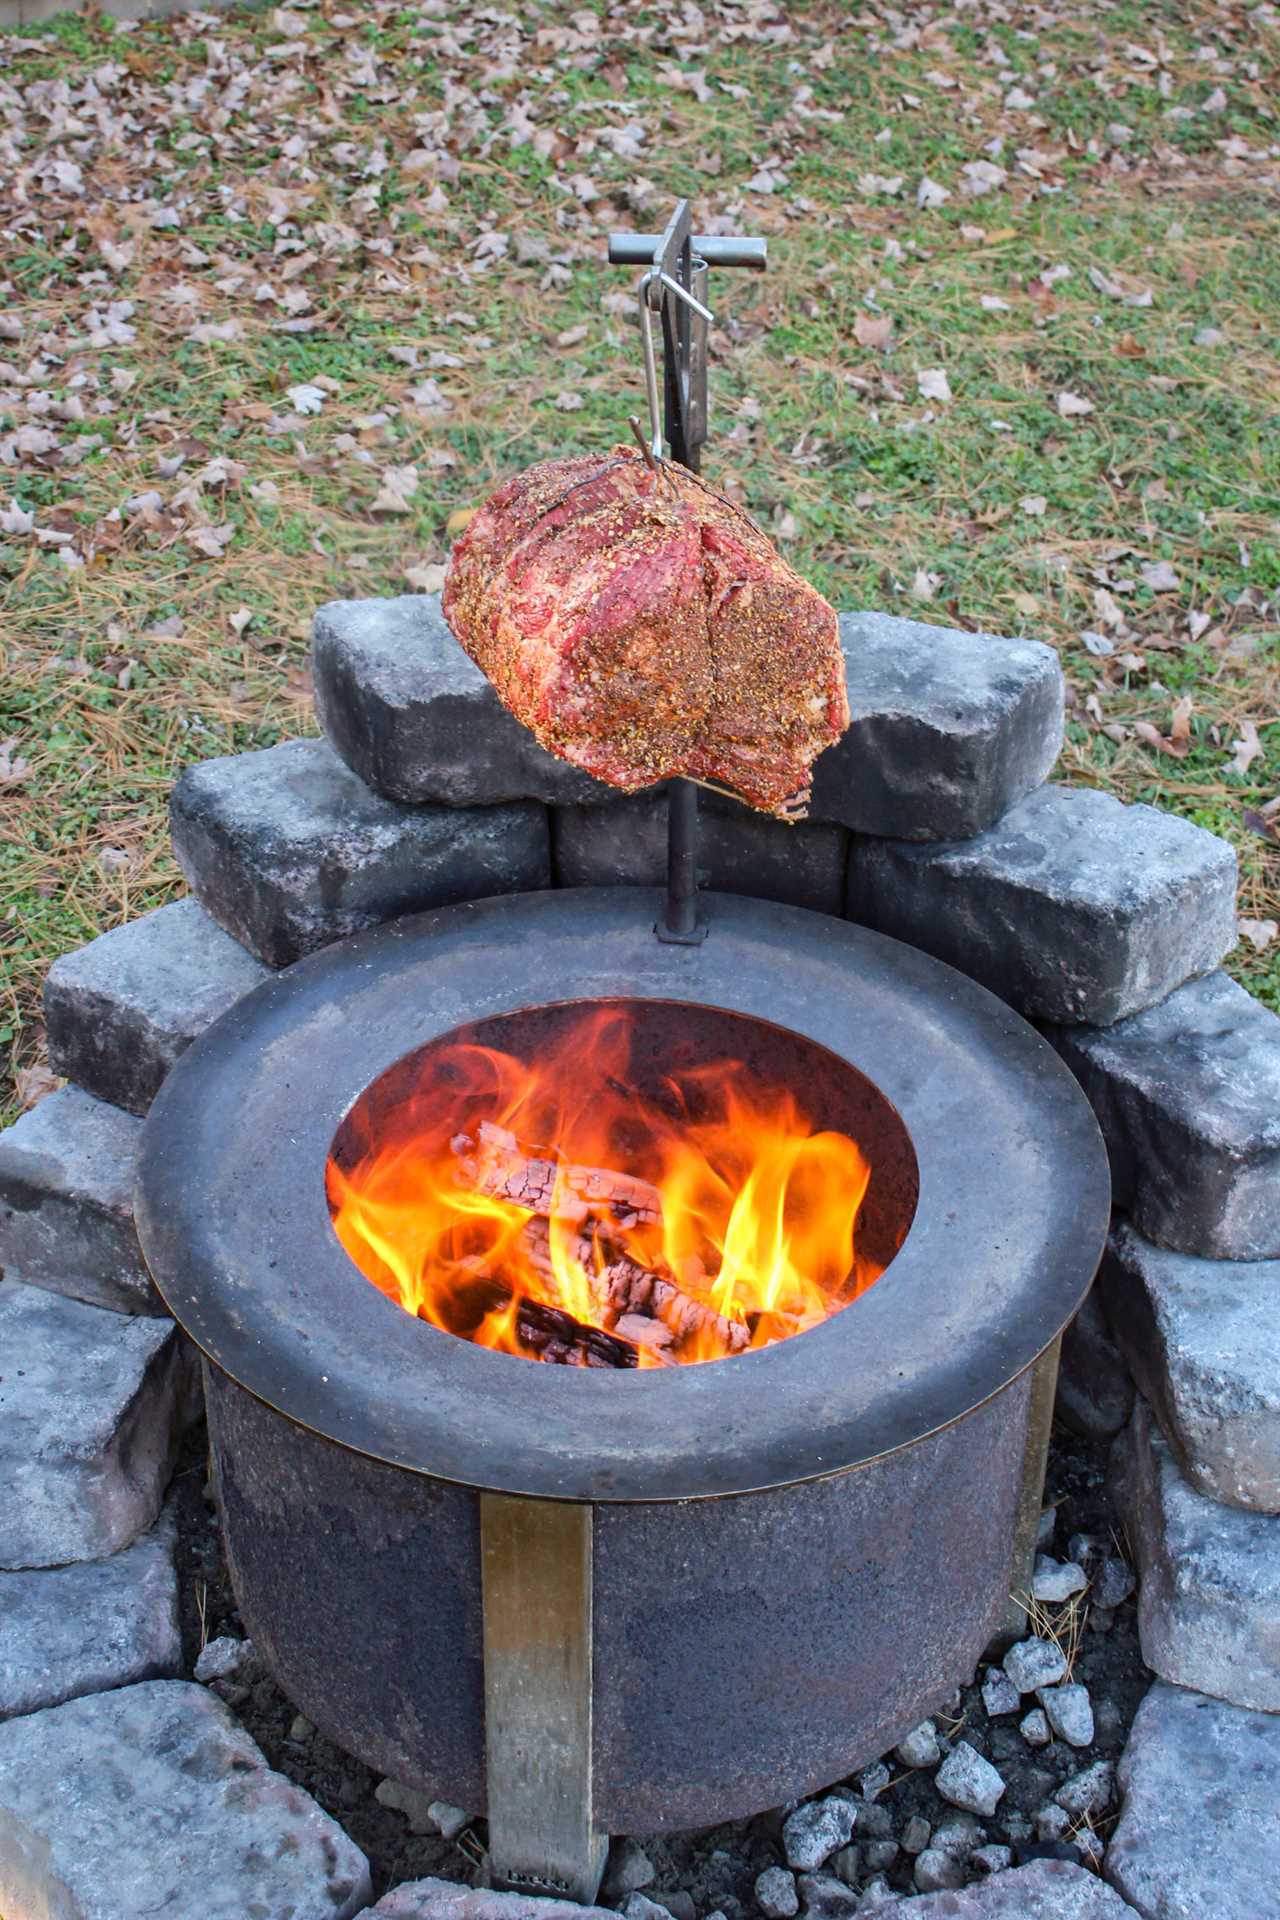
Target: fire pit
pixel 622 1597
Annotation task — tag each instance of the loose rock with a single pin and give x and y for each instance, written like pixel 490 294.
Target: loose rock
pixel 220 1659
pixel 776 1893
pixel 1197 1834
pixel 919 1748
pixel 812 1833
pixel 916 1833
pixel 992 1859
pixel 1209 1599
pixel 1089 1792
pixel 629 1869
pixel 999 1695
pixel 1035 1663
pixel 1069 1711
pixel 1044 1890
pixel 1203 1340
pixel 1034 1728
pixel 1056 1580
pixel 1072 908
pixel 288 850
pixel 446 1900
pixel 91 1406
pixel 68 1631
pixel 1188 1098
pixel 121 1010
pixel 935 1870
pixel 826 1898
pixel 66 1203
pixel 969 1781
pixel 149 1799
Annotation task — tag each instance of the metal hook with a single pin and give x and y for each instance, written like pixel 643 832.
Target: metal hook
pixel 650 293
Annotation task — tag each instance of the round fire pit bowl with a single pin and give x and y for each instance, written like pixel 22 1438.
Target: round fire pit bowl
pixel 591 1600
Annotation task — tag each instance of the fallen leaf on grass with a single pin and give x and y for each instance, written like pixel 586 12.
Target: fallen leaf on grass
pixel 933 384
pixel 1159 575
pixel 212 542
pixel 1246 749
pixel 33 1083
pixel 399 484
pixel 305 398
pixel 572 336
pixel 569 402
pixel 239 620
pixel 1178 740
pixel 924 584
pixel 13 767
pixel 459 519
pixel 1072 405
pixel 1259 933
pixel 1034 504
pixel 427 577
pixel 873 329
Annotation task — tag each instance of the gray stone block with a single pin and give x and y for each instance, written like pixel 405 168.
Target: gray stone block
pixel 119 1011
pixel 288 849
pixel 1198 1837
pixel 1045 1890
pixel 150 1800
pixel 948 729
pixel 1073 908
pixel 68 1631
pixel 66 1203
pixel 1188 1098
pixel 1203 1340
pixel 1095 1387
pixel 739 851
pixel 91 1406
pixel 1209 1593
pixel 445 1900
pixel 413 715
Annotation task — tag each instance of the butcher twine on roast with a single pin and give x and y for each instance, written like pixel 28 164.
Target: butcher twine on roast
pixel 641 626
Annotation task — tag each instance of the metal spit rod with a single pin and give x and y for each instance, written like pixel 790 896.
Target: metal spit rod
pixel 675 289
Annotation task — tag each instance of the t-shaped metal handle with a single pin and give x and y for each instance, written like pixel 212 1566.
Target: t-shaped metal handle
pixel 676 289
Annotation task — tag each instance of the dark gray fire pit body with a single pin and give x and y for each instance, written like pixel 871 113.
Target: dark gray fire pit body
pixel 716 1587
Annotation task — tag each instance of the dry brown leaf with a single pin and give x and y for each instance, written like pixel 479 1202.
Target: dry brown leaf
pixel 1246 749
pixel 873 330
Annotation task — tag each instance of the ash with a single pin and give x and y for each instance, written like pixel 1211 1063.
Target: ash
pixel 1015 1767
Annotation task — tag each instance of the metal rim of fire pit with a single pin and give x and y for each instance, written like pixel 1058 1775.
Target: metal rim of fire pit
pixel 233 1218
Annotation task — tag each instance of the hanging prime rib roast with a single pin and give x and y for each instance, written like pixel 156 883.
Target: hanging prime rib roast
pixel 642 627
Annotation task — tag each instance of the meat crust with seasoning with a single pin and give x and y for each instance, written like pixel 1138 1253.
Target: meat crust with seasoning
pixel 641 626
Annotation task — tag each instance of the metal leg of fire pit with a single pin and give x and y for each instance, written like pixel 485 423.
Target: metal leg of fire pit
pixel 1044 1389
pixel 536 1557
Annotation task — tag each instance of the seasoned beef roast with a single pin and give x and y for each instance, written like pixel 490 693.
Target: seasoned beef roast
pixel 642 626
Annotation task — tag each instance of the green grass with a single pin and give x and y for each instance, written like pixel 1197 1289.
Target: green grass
pixel 874 492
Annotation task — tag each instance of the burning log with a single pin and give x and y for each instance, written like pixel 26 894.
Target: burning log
pixel 598 1199
pixel 634 1290
pixel 495 1164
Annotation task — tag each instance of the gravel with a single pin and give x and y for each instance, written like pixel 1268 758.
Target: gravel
pixel 969 1781
pixel 1035 1663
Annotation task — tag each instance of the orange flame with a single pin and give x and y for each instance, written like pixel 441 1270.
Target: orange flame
pixel 710 1220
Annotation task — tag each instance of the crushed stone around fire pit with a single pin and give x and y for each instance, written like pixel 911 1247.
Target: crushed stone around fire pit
pixel 1048 1725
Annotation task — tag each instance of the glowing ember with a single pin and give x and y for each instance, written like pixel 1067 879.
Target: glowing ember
pixel 551 1211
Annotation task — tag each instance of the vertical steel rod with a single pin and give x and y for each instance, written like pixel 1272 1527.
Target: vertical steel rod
pixel 536 1560
pixel 679 922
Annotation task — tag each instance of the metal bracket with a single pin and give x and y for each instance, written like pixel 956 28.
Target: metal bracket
pixel 536 1560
